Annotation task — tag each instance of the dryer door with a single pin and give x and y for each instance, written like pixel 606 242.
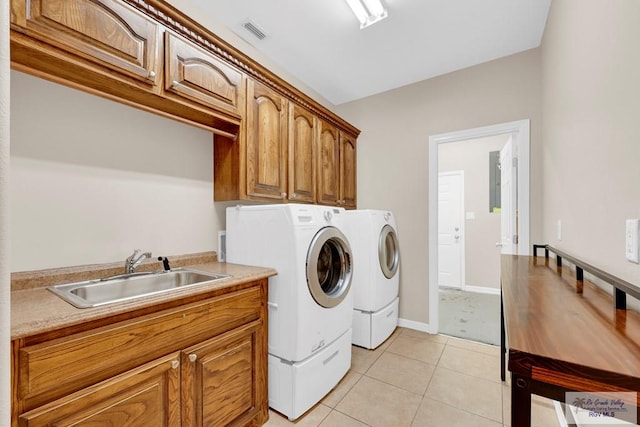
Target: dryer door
pixel 388 251
pixel 329 267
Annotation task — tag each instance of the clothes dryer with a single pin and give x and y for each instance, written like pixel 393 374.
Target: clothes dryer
pixel 310 304
pixel 376 275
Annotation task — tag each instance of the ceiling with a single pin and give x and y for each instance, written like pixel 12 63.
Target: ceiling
pixel 320 43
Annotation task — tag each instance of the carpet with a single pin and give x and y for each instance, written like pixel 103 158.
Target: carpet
pixel 470 315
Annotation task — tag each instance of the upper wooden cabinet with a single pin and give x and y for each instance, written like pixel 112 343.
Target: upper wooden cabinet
pixel 273 143
pixel 348 177
pixel 196 74
pixel 336 167
pixel 112 49
pixel 317 166
pixel 302 154
pixel 266 141
pixel 328 168
pixel 106 32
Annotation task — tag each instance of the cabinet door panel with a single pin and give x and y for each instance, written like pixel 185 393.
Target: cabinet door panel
pixel 347 170
pixel 302 155
pixel 104 31
pixel 198 75
pixel 266 143
pixel 142 397
pixel 328 165
pixel 218 385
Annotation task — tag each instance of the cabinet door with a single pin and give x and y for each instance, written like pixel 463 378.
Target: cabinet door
pixel 220 379
pixel 347 171
pixel 266 139
pixel 302 155
pixel 145 396
pixel 107 32
pixel 195 74
pixel 328 164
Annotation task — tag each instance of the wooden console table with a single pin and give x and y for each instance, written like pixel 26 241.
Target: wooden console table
pixel 563 335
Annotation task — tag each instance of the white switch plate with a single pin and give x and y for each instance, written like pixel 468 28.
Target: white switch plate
pixel 631 239
pixel 559 230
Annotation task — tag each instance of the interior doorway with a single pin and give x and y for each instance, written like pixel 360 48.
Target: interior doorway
pixel 518 217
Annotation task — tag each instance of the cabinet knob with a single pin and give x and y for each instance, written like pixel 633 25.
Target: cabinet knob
pixel 193 357
pixel 294 195
pixel 175 364
pixel 152 74
pixel 175 83
pixel 283 195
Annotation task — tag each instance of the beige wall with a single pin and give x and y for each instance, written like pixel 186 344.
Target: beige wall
pixel 92 180
pixel 393 149
pixel 482 257
pixel 591 115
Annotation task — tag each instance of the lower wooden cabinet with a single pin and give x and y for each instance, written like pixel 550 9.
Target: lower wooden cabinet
pixel 200 363
pixel 218 386
pixel 146 396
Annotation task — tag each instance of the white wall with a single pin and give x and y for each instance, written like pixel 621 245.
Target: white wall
pixel 482 257
pixel 394 144
pixel 590 133
pixel 92 180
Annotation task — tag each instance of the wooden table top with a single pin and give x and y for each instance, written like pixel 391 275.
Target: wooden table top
pixel 559 329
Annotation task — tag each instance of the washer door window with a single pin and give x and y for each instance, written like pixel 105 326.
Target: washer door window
pixel 388 251
pixel 329 267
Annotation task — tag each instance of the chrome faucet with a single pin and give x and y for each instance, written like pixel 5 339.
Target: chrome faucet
pixel 134 260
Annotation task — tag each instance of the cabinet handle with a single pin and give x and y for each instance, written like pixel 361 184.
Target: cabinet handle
pixel 283 195
pixel 175 83
pixel 193 357
pixel 152 74
pixel 175 364
pixel 294 195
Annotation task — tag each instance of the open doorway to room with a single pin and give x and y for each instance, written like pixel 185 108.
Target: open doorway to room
pixel 480 210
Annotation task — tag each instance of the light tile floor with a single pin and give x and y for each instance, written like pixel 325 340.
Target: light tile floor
pixel 417 379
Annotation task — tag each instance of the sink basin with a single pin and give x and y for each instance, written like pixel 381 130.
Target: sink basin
pixel 93 293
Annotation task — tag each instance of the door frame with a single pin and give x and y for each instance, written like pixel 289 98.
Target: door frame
pixel 463 278
pixel 521 129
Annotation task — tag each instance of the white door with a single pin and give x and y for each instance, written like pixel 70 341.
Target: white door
pixel 450 229
pixel 508 199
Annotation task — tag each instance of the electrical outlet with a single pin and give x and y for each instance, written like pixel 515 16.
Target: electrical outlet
pixel 631 239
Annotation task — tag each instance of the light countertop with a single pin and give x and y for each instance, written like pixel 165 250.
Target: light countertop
pixel 38 310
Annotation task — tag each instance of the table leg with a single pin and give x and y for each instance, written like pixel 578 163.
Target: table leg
pixel 520 401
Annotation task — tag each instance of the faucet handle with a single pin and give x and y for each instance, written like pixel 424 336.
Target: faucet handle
pixel 165 263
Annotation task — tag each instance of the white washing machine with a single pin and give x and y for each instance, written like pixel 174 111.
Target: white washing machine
pixel 310 303
pixel 376 277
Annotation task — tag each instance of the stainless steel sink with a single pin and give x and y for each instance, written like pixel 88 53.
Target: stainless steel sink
pixel 93 293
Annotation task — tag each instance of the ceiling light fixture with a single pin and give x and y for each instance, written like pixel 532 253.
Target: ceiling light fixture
pixel 368 12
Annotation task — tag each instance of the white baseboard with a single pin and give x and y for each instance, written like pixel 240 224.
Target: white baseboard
pixel 418 326
pixel 482 290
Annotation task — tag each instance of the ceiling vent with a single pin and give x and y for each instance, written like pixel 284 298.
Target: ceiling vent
pixel 254 29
